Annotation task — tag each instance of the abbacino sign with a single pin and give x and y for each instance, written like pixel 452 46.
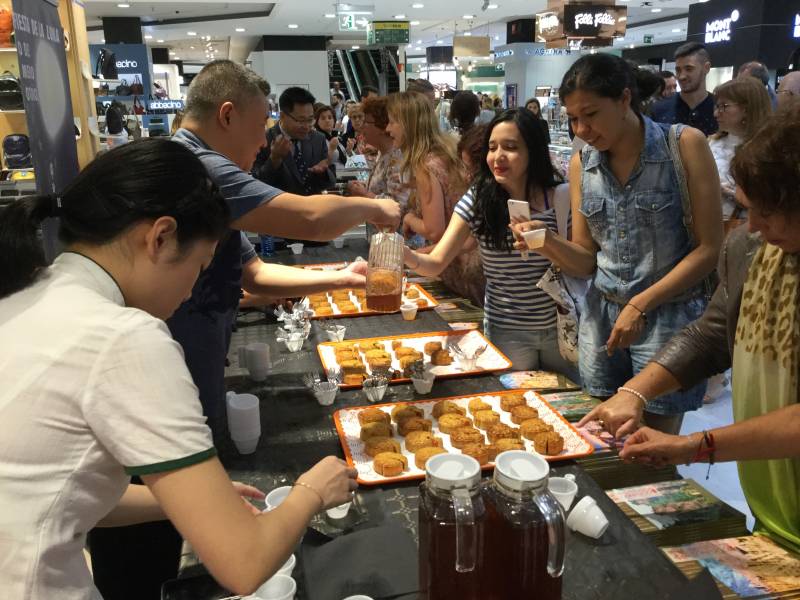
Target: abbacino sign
pixel 719 30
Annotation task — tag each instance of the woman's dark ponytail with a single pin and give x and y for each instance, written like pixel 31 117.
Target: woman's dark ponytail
pixel 21 253
pixel 146 179
pixel 603 74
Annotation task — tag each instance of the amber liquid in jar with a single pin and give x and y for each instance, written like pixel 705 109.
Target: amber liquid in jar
pixel 516 552
pixel 438 578
pixel 384 290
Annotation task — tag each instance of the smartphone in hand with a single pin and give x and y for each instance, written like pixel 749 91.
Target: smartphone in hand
pixel 519 209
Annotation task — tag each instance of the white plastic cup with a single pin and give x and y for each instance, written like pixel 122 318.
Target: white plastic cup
pixel 335 334
pixel 339 512
pixel 423 386
pixel 587 518
pixel 288 566
pixel 359 597
pixel 467 364
pixel 338 242
pixel 296 248
pixel 255 358
pixel 535 238
pixel 564 489
pixel 277 587
pixel 244 416
pixel 409 311
pixel 246 445
pixel 276 496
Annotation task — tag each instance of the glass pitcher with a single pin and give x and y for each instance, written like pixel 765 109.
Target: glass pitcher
pixel 452 522
pixel 524 530
pixel 385 272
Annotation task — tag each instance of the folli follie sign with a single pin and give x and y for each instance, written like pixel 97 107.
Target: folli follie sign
pixel 584 24
pixel 465 46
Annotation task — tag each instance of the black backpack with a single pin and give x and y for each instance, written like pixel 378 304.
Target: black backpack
pixel 17 151
pixel 106 66
pixel 10 92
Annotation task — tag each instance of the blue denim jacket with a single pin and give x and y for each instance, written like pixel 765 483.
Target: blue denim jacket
pixel 639 224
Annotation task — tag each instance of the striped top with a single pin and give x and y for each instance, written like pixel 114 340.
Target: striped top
pixel 512 299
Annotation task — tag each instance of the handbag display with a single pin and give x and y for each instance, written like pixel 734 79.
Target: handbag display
pixel 138 106
pixel 10 92
pixel 123 89
pixel 6 28
pixel 137 89
pixel 17 151
pixel 106 65
pixel 102 90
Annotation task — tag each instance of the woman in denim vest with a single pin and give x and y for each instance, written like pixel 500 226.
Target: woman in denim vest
pixel 629 235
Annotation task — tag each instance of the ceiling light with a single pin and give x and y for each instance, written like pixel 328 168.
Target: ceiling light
pixel 148 37
pixel 159 41
pixel 467 33
pixel 418 48
pixel 330 16
pixel 677 30
pixel 469 16
pixel 632 46
pixel 103 41
pixel 655 10
pixel 123 5
pixel 177 58
pixel 497 38
pixel 172 54
pixel 293 25
pixel 240 30
pixel 191 33
pixel 191 47
pixel 414 23
pixel 418 5
pixel 439 42
pixel 399 16
pixel 491 6
pixel 419 41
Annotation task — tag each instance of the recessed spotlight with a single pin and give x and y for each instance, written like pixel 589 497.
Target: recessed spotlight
pixel 467 33
pixel 418 5
pixel 172 54
pixel 330 16
pixel 123 5
pixel 401 16
pixel 240 30
pixel 191 47
pixel 492 6
pixel 177 58
pixel 419 42
pixel 655 10
pixel 148 37
pixel 418 48
pixel 439 42
pixel 414 23
pixel 632 46
pixel 677 30
pixel 159 41
pixel 293 25
pixel 497 38
pixel 191 33
pixel 355 47
pixel 469 16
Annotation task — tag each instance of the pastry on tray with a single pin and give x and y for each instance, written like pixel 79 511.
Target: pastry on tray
pixel 477 404
pixel 396 344
pixel 479 452
pixel 401 351
pixel 379 362
pixel 431 347
pixel 421 439
pixel 441 358
pixel 444 407
pixel 523 413
pixel 376 445
pixel 422 455
pixel 412 294
pixel 343 346
pixel 406 411
pixel 485 418
pixel 466 435
pixel 452 421
pixel 531 427
pixel 348 309
pixel 345 354
pixel 373 415
pixel 509 401
pixel 549 443
pixel 375 429
pixel 422 303
pixel 323 311
pixel 354 379
pixel 407 361
pixel 376 353
pixel 389 464
pixel 406 426
pixel 504 444
pixel 502 431
pixel 353 367
pixel 366 346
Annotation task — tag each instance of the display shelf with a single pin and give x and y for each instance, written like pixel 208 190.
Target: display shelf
pixel 8 49
pixel 13 112
pixel 96 82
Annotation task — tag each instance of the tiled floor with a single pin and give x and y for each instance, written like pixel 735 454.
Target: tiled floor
pixel 723 481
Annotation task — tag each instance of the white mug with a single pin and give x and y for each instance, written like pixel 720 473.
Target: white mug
pixel 255 358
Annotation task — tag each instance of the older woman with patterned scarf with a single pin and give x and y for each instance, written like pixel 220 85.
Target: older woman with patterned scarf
pixel 753 325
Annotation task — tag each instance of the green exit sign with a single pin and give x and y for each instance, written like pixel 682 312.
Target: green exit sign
pixel 352 22
pixel 648 38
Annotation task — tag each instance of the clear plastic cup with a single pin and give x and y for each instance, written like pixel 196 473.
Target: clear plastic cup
pixel 278 587
pixel 325 392
pixel 564 489
pixel 339 512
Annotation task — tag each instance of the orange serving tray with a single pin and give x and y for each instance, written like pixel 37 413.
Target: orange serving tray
pixel 432 303
pixel 491 360
pixel 348 428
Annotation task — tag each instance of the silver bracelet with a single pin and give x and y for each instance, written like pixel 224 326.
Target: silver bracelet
pixel 639 395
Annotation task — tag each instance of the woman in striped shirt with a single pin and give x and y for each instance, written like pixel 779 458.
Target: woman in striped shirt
pixel 520 318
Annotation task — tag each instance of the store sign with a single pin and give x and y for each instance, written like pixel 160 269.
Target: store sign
pixel 127 64
pixel 648 38
pixel 548 27
pixel 594 21
pixel 388 32
pixel 719 30
pixel 503 53
pixel 166 105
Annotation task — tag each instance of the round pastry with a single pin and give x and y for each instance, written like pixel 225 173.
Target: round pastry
pixel 477 451
pixel 530 427
pixel 441 358
pixel 452 421
pixel 485 418
pixel 504 444
pixel 323 311
pixel 421 439
pixel 477 404
pixel 466 435
pixel 375 429
pixel 412 294
pixel 396 344
pixel 379 363
pixel 422 303
pixel 445 407
pixel 406 411
pixel 389 464
pixel 373 415
pixel 422 455
pixel 548 442
pixel 377 445
pixel 431 347
pixel 406 426
pixel 502 431
pixel 511 400
pixel 354 379
pixel 523 413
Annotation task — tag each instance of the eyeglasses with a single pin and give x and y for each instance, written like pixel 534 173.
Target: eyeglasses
pixel 790 92
pixel 308 121
pixel 723 106
pixel 369 122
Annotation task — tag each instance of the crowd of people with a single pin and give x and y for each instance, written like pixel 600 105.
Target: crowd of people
pixel 138 309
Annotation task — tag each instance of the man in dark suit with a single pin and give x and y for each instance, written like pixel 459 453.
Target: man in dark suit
pixel 295 159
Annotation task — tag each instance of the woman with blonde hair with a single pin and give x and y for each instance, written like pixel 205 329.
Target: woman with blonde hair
pixel 741 107
pixel 437 180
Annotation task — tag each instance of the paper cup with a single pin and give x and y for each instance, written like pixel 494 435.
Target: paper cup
pixel 335 334
pixel 288 566
pixel 423 386
pixel 278 587
pixel 535 239
pixel 563 489
pixel 409 311
pixel 276 496
pixel 247 445
pixel 587 518
pixel 296 248
pixel 359 597
pixel 244 416
pixel 338 242
pixel 339 512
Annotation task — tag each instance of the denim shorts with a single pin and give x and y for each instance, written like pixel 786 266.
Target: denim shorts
pixel 531 350
pixel 603 374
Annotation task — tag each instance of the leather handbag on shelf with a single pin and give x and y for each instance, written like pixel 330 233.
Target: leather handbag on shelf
pixel 138 106
pixel 10 92
pixel 106 65
pixel 6 28
pixel 137 89
pixel 123 89
pixel 17 151
pixel 102 90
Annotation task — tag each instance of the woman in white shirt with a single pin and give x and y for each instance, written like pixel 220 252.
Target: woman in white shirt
pixel 95 390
